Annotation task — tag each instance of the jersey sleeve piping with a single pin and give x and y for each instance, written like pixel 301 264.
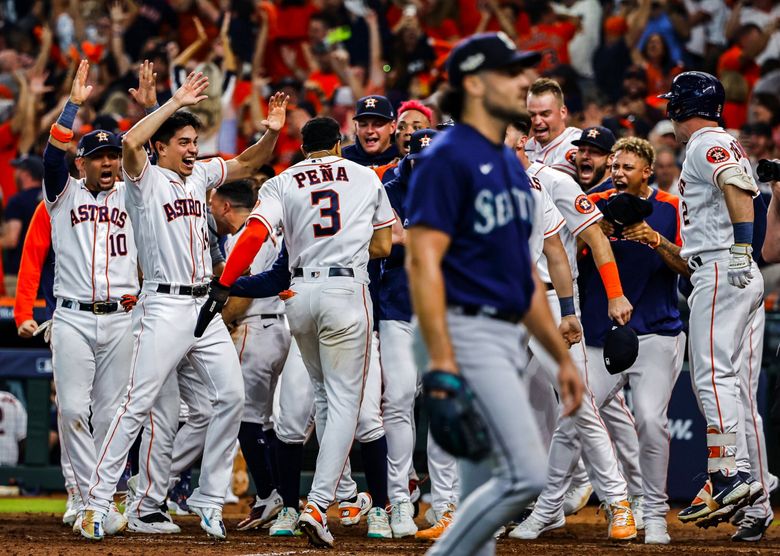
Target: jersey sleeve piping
pixel 555 229
pixel 137 179
pixel 595 218
pixel 385 224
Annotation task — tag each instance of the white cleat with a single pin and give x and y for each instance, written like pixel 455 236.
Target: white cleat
pixel 71 507
pixel 315 524
pixel 155 524
pixel 351 512
pixel 656 532
pixel 115 522
pixel 378 524
pixel 210 521
pixel 91 525
pixel 531 528
pixel 576 498
pixel 264 511
pixel 285 524
pixel 401 520
pixel 638 509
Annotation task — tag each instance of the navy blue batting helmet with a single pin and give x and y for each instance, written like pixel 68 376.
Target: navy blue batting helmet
pixel 695 93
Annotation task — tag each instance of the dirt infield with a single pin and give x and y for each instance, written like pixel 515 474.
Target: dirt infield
pixel 42 534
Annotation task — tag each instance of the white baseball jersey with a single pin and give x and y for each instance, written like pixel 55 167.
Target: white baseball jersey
pixel 548 221
pixel 329 208
pixel 575 207
pixel 705 224
pixel 558 153
pixel 263 260
pixel 93 239
pixel 13 428
pixel 169 218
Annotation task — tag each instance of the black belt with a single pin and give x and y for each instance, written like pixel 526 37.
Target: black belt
pixel 332 272
pixel 548 286
pixel 98 308
pixel 194 291
pixel 270 316
pixel 487 311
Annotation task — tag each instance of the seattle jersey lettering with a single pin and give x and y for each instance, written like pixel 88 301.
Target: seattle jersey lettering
pixel 497 210
pixel 322 175
pixel 184 207
pixel 103 214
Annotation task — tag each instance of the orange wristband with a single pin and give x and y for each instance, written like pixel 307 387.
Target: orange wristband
pixel 611 279
pixel 61 136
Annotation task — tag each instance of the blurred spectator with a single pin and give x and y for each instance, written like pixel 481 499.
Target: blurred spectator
pixel 613 56
pixel 666 171
pixel 764 14
pixel 668 19
pixel 758 143
pixel 633 115
pixel 707 32
pixel 586 40
pixel 19 212
pixel 660 67
pixel 550 34
pixel 13 420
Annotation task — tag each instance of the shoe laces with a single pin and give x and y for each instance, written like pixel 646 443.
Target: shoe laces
pixel 749 521
pixel 621 515
pixel 401 511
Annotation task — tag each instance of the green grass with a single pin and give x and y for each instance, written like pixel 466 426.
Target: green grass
pixel 35 505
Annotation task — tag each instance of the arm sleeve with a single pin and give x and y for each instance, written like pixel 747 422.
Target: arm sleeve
pixel 216 253
pixel 436 194
pixel 36 248
pixel 55 172
pixel 268 283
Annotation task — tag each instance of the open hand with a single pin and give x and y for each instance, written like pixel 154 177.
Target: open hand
pixel 277 112
pixel 80 91
pixel 191 92
pixel 146 94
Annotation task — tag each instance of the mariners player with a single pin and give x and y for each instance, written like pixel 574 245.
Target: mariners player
pixel 91 338
pixel 336 216
pixel 552 142
pixel 469 292
pixel 167 204
pixel 716 211
pixel 648 258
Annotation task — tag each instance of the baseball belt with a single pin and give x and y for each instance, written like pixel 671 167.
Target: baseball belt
pixel 333 271
pixel 194 291
pixel 486 311
pixel 97 308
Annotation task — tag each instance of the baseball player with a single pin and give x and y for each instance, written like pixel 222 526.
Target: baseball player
pixel 472 281
pixel 551 143
pixel 594 151
pixel 167 204
pixel 95 274
pixel 412 116
pixel 650 282
pixel 586 427
pixel 336 216
pixel 716 210
pixel 13 424
pixel 375 127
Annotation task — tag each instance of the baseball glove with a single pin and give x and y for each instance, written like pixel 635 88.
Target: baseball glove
pixel 218 296
pixel 455 424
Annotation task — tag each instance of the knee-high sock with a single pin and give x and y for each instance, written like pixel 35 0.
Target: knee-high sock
pixel 270 455
pixel 255 447
pixel 289 459
pixel 375 466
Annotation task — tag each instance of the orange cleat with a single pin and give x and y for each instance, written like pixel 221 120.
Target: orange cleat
pixel 622 526
pixel 438 528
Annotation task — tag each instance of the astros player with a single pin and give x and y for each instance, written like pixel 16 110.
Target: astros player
pixel 91 339
pixel 412 116
pixel 13 423
pixel 585 428
pixel 716 210
pixel 167 204
pixel 472 282
pixel 551 143
pixel 648 255
pixel 336 216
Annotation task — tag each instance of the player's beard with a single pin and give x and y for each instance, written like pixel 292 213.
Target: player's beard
pixel 501 111
pixel 598 175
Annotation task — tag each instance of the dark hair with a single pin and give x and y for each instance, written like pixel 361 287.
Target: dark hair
pixel 320 134
pixel 451 102
pixel 177 121
pixel 241 193
pixel 522 123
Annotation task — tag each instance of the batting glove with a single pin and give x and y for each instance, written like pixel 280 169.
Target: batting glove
pixel 740 265
pixel 128 301
pixel 218 296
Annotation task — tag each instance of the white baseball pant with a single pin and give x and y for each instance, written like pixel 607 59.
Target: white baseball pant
pixel 293 414
pixel 164 327
pixel 443 473
pixel 652 378
pixel 721 318
pixel 91 361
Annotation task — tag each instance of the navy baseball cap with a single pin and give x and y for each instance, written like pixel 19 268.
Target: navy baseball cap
pixel 374 105
pixel 596 136
pixel 32 164
pixel 96 140
pixel 486 51
pixel 621 348
pixel 420 140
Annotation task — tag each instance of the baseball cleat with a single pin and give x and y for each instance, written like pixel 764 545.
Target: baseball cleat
pixel 264 511
pixel 155 524
pixel 71 507
pixel 315 525
pixel 435 531
pixel 656 532
pixel 114 523
pixel 132 488
pixel 402 520
pixel 637 508
pixel 177 498
pixel 756 490
pixel 576 498
pixel 531 527
pixel 378 524
pixel 718 500
pixel 622 526
pixel 91 525
pixel 751 528
pixel 285 524
pixel 210 521
pixel 350 512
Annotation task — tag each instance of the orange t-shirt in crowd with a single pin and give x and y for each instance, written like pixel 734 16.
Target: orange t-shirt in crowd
pixel 731 60
pixel 9 143
pixel 36 248
pixel 552 40
pixel 470 17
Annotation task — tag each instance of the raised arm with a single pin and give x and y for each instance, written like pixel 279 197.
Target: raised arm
pixel 189 94
pixel 146 93
pixel 248 162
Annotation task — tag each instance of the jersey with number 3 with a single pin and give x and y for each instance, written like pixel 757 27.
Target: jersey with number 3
pixel 169 217
pixel 704 216
pixel 328 208
pixel 93 239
